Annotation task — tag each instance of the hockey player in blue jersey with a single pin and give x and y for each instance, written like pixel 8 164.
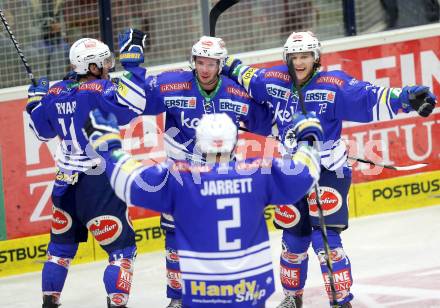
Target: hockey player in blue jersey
pixel 83 199
pixel 218 206
pixel 335 97
pixel 185 96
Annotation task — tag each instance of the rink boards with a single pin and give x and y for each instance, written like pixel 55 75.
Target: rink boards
pixel 396 194
pixel 399 57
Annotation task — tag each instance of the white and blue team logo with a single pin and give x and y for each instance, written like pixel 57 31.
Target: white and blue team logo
pixel 288 139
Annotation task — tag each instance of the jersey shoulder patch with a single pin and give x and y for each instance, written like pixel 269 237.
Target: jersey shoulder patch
pixel 276 74
pixel 175 81
pixel 337 78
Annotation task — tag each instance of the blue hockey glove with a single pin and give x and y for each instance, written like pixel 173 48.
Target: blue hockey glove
pixel 131 47
pixel 417 98
pixel 36 93
pixel 230 65
pixel 102 132
pixel 71 75
pixel 307 128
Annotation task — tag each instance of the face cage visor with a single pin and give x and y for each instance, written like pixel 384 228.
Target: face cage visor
pixel 109 62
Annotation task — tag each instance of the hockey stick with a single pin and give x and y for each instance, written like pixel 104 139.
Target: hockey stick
pixel 216 11
pixel 292 73
pixel 17 46
pixel 397 168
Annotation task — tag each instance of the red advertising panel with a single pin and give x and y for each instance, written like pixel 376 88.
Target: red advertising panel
pixel 392 65
pixel 403 142
pixel 28 168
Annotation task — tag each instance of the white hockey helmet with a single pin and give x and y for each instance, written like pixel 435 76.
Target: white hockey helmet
pixel 216 133
pixel 302 42
pixel 86 51
pixel 210 47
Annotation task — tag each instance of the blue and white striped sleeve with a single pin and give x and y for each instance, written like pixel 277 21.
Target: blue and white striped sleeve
pixel 131 89
pixel 137 184
pixel 40 124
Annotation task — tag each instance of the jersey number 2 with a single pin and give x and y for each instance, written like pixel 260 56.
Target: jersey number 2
pixel 224 225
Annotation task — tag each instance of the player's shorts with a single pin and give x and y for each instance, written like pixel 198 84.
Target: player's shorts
pixel 302 216
pixel 91 204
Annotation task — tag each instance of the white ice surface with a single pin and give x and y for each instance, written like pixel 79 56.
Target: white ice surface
pixel 395 260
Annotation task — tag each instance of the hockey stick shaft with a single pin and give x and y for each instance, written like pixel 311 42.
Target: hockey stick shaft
pixel 17 47
pixel 216 11
pixel 323 229
pixel 397 168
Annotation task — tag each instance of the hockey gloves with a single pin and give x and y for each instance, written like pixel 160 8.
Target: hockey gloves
pixel 36 93
pixel 230 65
pixel 102 132
pixel 71 75
pixel 307 128
pixel 417 98
pixel 131 47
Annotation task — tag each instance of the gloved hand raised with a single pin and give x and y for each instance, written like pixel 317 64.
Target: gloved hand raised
pixel 231 64
pixel 71 75
pixel 36 93
pixel 102 132
pixel 131 47
pixel 307 128
pixel 417 98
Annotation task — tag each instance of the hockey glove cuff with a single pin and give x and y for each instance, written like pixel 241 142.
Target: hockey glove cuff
pixel 131 47
pixel 36 93
pixel 230 67
pixel 307 128
pixel 309 156
pixel 417 98
pixel 102 132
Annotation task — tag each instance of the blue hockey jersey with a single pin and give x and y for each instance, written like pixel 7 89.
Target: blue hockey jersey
pixel 222 238
pixel 179 95
pixel 334 96
pixel 63 113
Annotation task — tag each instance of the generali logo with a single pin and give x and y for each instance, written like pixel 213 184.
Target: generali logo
pixel 177 86
pixel 92 86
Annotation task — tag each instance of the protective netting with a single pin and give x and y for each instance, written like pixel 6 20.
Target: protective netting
pixel 46 28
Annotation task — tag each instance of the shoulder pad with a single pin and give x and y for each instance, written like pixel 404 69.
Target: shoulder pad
pixel 278 72
pixel 92 86
pixel 337 78
pixel 175 81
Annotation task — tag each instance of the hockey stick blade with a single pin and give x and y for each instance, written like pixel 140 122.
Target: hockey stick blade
pixel 410 167
pixel 216 11
pixel 397 168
